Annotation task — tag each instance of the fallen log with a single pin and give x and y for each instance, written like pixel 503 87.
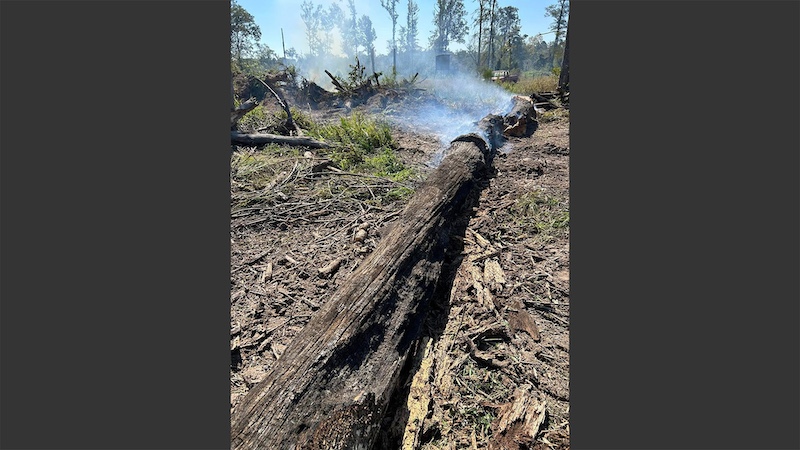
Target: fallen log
pixel 331 387
pixel 256 139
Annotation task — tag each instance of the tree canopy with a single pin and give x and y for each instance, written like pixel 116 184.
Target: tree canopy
pixel 245 34
pixel 449 18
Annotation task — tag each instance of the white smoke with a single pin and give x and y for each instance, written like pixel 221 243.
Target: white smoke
pixel 453 106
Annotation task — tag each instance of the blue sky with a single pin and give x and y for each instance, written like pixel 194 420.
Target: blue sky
pixel 272 15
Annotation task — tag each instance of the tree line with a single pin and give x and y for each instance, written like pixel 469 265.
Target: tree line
pixel 491 36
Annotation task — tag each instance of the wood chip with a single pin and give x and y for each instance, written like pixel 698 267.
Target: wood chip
pixel 482 241
pixel 256 258
pixel 493 275
pixel 518 422
pixel 522 321
pixel 361 234
pixel 330 268
pixel 268 271
pixel 275 323
pixel 277 350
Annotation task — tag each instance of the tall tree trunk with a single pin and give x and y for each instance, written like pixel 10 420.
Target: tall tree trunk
pixel 491 30
pixel 563 79
pixel 558 32
pixel 394 48
pixel 480 30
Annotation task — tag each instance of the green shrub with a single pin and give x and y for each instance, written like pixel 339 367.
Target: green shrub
pixel 355 137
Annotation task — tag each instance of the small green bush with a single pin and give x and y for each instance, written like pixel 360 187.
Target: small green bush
pixel 355 137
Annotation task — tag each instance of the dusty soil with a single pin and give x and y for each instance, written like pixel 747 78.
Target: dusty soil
pixel 496 352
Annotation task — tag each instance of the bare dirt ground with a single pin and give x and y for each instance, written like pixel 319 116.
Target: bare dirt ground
pixel 495 360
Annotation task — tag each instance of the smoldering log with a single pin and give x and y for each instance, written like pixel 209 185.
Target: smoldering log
pixel 331 387
pixel 256 139
pixel 521 120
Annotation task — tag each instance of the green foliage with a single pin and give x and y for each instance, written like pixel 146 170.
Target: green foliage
pixel 364 145
pixel 300 118
pixel 559 12
pixel 255 119
pixel 244 32
pixel 450 24
pixel 399 193
pixel 355 78
pixel 387 164
pixel 390 80
pixel 356 137
pixel 262 119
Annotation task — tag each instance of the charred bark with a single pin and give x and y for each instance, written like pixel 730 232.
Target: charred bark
pixel 331 387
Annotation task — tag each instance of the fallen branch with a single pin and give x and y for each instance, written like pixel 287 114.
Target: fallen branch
pixel 289 124
pixel 253 140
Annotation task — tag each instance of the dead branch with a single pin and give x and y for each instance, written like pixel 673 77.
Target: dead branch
pixel 336 82
pixel 290 123
pixel 240 111
pixel 254 140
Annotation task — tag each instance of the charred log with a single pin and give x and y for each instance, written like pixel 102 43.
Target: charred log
pixel 331 387
pixel 521 120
